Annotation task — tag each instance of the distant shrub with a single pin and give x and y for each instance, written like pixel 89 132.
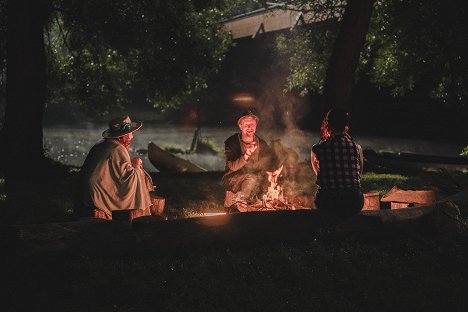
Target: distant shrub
pixel 174 149
pixel 208 146
pixel 464 152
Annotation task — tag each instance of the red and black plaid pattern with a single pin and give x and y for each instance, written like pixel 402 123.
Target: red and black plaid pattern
pixel 339 165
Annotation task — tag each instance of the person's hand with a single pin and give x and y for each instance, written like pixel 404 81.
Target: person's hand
pixel 137 162
pixel 249 150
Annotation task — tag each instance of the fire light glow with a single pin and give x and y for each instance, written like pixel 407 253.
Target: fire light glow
pixel 211 214
pixel 243 99
pixel 275 191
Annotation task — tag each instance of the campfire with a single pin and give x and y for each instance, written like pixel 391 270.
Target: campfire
pixel 274 194
pixel 274 198
pixel 291 186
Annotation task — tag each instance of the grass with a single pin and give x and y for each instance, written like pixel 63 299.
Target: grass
pixel 187 195
pixel 318 275
pixel 402 271
pixel 383 182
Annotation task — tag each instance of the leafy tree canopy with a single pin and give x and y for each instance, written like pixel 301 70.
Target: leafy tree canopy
pixel 107 53
pixel 420 46
pixel 413 47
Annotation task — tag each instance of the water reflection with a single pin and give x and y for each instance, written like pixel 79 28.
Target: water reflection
pixel 71 145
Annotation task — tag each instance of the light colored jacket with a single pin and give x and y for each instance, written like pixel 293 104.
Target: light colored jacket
pixel 111 182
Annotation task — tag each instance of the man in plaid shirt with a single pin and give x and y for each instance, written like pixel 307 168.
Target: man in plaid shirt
pixel 338 162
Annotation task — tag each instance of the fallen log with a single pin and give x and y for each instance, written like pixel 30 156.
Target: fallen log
pixel 443 220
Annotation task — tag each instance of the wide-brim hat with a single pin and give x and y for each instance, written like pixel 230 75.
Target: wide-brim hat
pixel 121 126
pixel 248 113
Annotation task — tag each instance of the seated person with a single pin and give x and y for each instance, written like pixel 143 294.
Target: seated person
pixel 248 157
pixel 338 163
pixel 110 180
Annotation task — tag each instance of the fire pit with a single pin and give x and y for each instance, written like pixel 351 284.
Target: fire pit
pixel 273 199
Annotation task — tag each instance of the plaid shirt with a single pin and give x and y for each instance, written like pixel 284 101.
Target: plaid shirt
pixel 339 164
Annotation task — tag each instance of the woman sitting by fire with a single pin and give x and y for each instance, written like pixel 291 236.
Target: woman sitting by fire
pixel 338 163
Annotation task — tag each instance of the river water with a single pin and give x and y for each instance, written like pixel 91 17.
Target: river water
pixel 70 145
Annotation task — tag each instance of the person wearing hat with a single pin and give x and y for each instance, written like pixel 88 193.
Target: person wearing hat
pixel 338 163
pixel 248 158
pixel 110 180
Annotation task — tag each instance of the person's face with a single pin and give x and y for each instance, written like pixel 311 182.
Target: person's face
pixel 125 140
pixel 248 126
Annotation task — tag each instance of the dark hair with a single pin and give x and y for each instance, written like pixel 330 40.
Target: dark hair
pixel 336 120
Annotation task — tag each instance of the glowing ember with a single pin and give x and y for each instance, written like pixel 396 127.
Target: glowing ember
pixel 211 214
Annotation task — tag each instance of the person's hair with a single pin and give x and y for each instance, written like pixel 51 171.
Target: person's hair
pixel 336 120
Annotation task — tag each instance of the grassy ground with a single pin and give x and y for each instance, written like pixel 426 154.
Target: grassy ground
pixel 401 271
pixel 398 273
pixel 187 195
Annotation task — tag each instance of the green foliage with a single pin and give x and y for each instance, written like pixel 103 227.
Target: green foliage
pixel 419 47
pixel 238 7
pixel 175 149
pixel 105 54
pixel 208 145
pixel 464 151
pixel 307 51
pixel 413 48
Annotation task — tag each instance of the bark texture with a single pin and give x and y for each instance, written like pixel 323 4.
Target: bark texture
pixel 26 82
pixel 346 52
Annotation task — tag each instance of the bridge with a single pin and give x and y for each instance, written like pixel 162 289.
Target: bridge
pixel 275 17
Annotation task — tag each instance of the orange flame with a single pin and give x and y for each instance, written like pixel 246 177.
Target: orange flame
pixel 275 191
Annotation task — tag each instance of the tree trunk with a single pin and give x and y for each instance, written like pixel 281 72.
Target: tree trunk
pixel 345 55
pixel 26 84
pixel 21 137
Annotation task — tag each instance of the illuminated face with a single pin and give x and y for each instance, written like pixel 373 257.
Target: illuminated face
pixel 248 126
pixel 125 140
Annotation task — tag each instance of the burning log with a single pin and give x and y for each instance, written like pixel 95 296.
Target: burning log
pixel 275 191
pixel 273 199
